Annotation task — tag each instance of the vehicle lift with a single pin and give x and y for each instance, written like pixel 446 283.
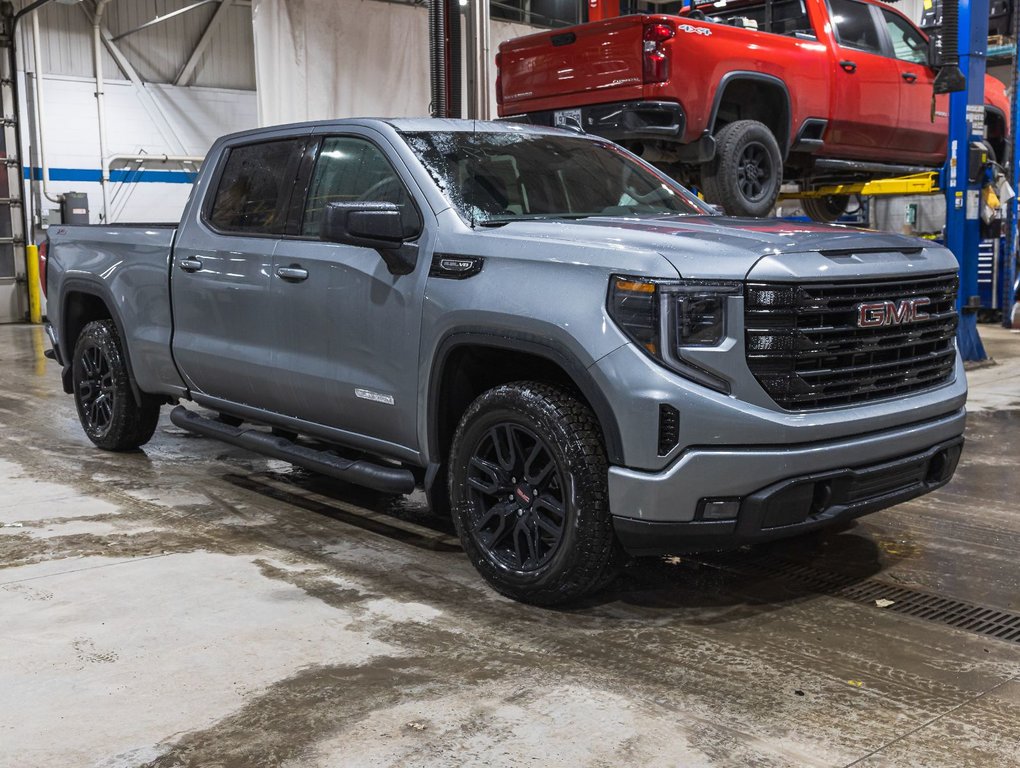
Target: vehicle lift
pixel 963 176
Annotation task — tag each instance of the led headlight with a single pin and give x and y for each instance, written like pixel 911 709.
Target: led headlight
pixel 691 312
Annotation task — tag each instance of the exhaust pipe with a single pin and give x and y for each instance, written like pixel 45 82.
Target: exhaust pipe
pixel 949 78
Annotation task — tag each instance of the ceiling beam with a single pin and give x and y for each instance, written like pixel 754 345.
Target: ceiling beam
pixel 188 70
pixel 148 102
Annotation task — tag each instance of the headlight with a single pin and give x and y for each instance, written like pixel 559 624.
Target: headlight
pixel 689 313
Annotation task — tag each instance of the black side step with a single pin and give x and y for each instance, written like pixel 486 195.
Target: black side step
pixel 378 477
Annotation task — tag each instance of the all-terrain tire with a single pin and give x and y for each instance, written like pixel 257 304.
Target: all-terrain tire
pixel 746 173
pixel 521 451
pixel 107 409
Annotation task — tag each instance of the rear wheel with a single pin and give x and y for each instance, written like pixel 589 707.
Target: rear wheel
pixel 528 488
pixel 745 175
pixel 825 209
pixel 107 409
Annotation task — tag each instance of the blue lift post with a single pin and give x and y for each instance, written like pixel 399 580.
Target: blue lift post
pixel 1008 261
pixel 963 197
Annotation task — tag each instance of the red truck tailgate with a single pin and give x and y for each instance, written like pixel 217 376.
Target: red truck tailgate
pixel 589 58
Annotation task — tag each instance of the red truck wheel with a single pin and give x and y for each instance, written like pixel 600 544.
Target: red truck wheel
pixel 825 209
pixel 745 175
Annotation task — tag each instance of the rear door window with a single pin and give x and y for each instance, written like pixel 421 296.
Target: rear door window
pixel 254 188
pixel 350 170
pixel 855 26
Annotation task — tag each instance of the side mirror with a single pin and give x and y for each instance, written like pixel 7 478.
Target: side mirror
pixel 371 225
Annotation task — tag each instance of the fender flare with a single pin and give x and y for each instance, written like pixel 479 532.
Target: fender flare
pixel 542 347
pixel 739 74
pixel 100 291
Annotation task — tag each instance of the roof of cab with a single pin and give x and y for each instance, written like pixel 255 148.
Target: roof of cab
pixel 406 125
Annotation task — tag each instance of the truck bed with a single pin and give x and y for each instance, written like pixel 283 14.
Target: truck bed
pixel 132 262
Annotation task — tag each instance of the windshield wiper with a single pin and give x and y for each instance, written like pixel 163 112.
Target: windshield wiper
pixel 499 221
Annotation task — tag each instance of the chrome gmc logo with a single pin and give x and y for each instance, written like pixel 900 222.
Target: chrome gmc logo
pixel 880 313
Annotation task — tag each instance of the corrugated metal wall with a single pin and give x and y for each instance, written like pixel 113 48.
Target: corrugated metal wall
pixel 158 53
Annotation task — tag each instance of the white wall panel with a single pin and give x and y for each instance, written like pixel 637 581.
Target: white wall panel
pixel 198 116
pixel 157 53
pixel 319 59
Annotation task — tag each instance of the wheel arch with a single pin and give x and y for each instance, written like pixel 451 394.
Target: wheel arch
pixel 468 363
pixel 82 302
pixel 767 98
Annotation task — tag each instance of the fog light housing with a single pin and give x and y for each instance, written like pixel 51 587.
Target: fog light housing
pixel 719 509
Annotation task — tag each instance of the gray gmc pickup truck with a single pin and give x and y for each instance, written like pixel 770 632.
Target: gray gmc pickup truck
pixel 563 347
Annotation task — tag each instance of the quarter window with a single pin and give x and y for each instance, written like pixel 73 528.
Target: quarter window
pixel 789 17
pixel 855 28
pixel 352 170
pixel 908 44
pixel 254 188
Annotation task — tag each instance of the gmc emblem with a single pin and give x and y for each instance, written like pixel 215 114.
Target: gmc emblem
pixel 880 313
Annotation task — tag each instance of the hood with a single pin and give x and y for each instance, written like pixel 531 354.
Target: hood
pixel 718 247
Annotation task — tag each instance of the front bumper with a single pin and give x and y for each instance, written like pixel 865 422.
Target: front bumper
pixel 621 120
pixel 782 491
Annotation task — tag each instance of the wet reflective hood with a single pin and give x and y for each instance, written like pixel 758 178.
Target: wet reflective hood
pixel 730 248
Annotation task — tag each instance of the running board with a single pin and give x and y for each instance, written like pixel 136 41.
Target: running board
pixel 378 477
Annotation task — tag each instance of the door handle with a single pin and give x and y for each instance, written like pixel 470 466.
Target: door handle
pixel 909 76
pixel 292 274
pixel 848 66
pixel 190 265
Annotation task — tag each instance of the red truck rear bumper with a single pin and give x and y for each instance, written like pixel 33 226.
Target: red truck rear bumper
pixel 631 120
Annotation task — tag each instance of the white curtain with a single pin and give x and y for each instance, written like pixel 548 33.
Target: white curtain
pixel 321 59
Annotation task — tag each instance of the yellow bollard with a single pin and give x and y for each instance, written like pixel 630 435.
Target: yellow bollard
pixel 34 289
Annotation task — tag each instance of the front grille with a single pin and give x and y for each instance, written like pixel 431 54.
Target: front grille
pixel 805 348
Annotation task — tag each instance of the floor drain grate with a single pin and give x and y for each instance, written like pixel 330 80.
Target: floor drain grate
pixel 954 613
pixel 959 614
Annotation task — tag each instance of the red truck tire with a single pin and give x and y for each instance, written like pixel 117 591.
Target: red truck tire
pixel 745 175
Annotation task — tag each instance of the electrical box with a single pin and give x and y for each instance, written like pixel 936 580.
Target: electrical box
pixel 74 208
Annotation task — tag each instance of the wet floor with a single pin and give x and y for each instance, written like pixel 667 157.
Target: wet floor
pixel 193 604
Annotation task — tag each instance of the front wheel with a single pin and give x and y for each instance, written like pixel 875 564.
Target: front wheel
pixel 107 409
pixel 745 175
pixel 528 490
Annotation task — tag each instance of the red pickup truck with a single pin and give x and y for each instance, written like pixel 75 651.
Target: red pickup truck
pixel 737 95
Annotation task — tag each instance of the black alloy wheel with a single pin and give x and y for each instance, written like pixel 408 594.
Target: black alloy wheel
pixel 754 171
pixel 95 389
pixel 518 497
pixel 528 490
pixel 113 416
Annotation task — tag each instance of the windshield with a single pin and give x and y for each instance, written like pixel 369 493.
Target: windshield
pixel 495 178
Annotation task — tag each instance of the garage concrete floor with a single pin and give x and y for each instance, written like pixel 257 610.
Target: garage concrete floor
pixel 193 604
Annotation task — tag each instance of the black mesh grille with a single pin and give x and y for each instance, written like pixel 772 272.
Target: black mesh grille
pixel 805 348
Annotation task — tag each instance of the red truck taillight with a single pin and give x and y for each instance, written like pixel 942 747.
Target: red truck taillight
pixel 44 249
pixel 499 78
pixel 655 57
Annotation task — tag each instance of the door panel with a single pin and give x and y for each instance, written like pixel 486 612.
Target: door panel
pixel 916 133
pixel 866 84
pixel 223 330
pixel 348 333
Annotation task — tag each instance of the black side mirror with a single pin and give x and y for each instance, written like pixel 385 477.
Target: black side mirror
pixel 372 225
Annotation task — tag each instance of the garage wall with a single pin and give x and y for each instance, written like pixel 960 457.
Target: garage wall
pixel 159 52
pixel 319 59
pixel 198 117
pixel 220 99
